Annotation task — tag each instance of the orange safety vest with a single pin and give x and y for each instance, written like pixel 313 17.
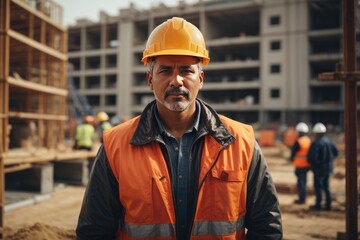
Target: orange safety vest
pixel 146 192
pixel 300 159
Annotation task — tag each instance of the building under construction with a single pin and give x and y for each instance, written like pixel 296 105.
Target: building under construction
pixel 34 99
pixel 265 58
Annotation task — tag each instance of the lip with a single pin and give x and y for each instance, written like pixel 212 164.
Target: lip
pixel 176 95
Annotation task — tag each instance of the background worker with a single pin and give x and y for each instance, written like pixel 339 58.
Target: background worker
pixel 85 134
pixel 179 170
pixel 321 156
pixel 104 124
pixel 299 158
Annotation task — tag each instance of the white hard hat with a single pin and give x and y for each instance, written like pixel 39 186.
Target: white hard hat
pixel 302 127
pixel 319 128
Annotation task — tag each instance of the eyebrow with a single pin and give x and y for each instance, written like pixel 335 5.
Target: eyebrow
pixel 170 67
pixel 165 67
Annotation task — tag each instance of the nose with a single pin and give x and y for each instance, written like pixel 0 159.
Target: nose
pixel 176 80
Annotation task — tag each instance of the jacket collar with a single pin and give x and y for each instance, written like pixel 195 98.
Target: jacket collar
pixel 210 123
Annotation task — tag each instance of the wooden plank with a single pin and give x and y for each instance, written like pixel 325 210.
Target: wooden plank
pixel 350 117
pixel 71 155
pixel 20 156
pixel 18 167
pixel 4 92
pixel 40 14
pixel 34 116
pixel 38 46
pixel 37 87
pixel 30 159
pixel 339 76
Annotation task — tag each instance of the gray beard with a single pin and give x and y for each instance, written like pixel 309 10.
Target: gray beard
pixel 176 106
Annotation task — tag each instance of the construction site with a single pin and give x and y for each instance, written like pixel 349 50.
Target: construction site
pixel 52 75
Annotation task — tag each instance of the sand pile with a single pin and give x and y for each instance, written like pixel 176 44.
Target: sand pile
pixel 39 231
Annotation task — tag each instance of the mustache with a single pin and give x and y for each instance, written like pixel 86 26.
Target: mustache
pixel 177 90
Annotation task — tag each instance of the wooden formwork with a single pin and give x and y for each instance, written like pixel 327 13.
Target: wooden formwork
pixel 33 85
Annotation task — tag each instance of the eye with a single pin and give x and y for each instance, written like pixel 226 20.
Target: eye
pixel 164 71
pixel 187 71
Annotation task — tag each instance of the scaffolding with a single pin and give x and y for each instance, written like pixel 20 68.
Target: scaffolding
pixel 33 85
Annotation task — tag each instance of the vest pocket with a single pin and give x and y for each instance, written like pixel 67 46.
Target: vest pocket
pixel 229 192
pixel 228 175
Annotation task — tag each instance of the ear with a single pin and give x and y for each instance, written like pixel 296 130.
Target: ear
pixel 201 79
pixel 149 80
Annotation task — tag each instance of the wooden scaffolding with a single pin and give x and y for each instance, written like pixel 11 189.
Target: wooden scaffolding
pixel 33 85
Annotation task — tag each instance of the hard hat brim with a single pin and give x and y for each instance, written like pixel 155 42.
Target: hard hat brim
pixel 204 61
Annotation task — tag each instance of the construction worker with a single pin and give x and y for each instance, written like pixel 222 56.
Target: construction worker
pixel 179 170
pixel 321 156
pixel 85 134
pixel 299 158
pixel 104 124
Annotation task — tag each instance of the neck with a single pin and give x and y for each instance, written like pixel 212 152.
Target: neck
pixel 177 123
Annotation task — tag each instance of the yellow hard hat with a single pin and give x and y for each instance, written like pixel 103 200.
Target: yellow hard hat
pixel 102 116
pixel 176 36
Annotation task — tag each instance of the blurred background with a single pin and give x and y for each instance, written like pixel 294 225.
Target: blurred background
pixel 64 60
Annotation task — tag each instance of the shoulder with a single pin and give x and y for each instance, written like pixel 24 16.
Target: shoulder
pixel 243 133
pixel 237 128
pixel 122 131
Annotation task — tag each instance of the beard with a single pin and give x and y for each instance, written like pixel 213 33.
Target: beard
pixel 177 105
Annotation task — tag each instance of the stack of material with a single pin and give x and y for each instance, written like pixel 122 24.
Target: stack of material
pixel 267 138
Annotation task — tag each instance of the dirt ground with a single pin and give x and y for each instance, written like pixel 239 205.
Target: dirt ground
pixel 56 218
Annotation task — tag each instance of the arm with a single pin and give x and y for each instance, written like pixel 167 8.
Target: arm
pixel 335 151
pixel 263 218
pixel 101 210
pixel 294 149
pixel 312 154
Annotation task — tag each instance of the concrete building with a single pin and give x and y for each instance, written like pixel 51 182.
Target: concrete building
pixel 265 58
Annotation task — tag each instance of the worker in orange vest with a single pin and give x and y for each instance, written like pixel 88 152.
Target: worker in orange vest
pixel 179 170
pixel 299 158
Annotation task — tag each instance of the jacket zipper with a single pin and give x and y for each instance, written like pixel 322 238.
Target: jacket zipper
pixel 167 159
pixel 201 184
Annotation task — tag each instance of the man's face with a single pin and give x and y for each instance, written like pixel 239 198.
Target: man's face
pixel 175 81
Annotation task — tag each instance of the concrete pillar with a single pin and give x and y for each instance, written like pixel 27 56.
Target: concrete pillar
pixel 39 178
pixel 72 171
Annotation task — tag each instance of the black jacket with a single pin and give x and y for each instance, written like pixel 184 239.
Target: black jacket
pixel 321 156
pixel 102 213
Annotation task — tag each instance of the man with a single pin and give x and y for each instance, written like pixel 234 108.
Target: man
pixel 321 155
pixel 104 124
pixel 299 158
pixel 180 170
pixel 85 134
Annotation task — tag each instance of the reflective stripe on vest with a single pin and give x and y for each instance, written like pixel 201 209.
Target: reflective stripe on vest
pixel 217 227
pixel 200 228
pixel 149 230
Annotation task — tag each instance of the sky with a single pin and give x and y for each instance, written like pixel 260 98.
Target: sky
pixel 75 9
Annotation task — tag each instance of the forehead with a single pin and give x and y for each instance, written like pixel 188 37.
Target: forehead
pixel 172 60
